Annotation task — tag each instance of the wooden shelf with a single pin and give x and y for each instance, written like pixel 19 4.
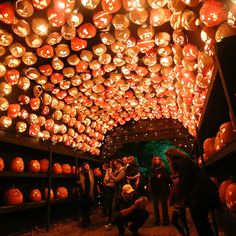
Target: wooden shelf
pixel 222 154
pixel 64 176
pixel 24 206
pixel 23 174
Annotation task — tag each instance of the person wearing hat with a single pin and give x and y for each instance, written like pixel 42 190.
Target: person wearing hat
pixel 129 207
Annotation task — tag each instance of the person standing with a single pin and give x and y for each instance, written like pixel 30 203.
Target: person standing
pixel 200 192
pixel 129 207
pixel 159 190
pixel 87 185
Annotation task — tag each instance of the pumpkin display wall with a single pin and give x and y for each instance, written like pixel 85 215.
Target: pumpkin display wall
pixel 71 72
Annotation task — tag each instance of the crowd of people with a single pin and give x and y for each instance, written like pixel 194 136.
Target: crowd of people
pixel 125 193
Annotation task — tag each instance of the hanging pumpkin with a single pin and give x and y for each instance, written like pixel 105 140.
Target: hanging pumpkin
pixel 62 193
pixel 17 165
pixel 1 164
pixel 13 196
pixel 34 166
pixel 35 195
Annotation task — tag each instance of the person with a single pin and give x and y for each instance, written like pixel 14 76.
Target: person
pixel 132 172
pixel 87 185
pixel 159 190
pixel 118 176
pixel 200 192
pixel 177 200
pixel 108 194
pixel 129 207
pixel 125 162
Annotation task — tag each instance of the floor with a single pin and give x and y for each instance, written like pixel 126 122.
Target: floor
pixel 71 228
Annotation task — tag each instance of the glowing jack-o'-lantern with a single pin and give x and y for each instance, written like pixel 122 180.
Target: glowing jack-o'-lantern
pixel 13 196
pixel 66 168
pixel 86 30
pixel 57 169
pixel 34 166
pixel 24 8
pixel 230 197
pixel 102 19
pixel 48 195
pixel 62 193
pixel 17 165
pixel 1 164
pixel 111 6
pixel 35 195
pixel 44 165
pixel 7 14
pixel 222 190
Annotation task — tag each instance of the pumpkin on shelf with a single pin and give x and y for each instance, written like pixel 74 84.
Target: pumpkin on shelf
pixel 35 195
pixel 226 133
pixel 209 146
pixel 13 196
pixel 222 190
pixel 66 169
pixel 17 165
pixel 34 166
pixel 61 192
pixel 1 164
pixel 230 197
pixel 44 165
pixel 46 194
pixel 57 169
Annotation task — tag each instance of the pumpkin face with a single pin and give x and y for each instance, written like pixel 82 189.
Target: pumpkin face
pixel 17 165
pixel 57 169
pixel 61 193
pixel 1 164
pixel 209 146
pixel 35 195
pixel 222 190
pixel 66 169
pixel 13 196
pixel 44 165
pixel 46 194
pixel 226 132
pixel 230 197
pixel 34 166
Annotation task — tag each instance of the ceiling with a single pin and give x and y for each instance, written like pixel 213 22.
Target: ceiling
pixel 94 74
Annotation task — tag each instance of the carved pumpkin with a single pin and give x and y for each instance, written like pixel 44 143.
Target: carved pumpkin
pixel 226 132
pixel 209 146
pixel 222 190
pixel 230 197
pixel 35 195
pixel 61 193
pixel 34 166
pixel 44 165
pixel 97 172
pixel 57 169
pixel 17 164
pixel 46 194
pixel 1 164
pixel 66 168
pixel 13 196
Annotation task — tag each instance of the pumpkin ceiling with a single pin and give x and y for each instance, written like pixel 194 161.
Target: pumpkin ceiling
pixel 72 70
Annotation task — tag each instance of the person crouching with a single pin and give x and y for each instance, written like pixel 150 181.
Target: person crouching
pixel 129 207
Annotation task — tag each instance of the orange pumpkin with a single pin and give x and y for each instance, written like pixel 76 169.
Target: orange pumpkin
pixel 1 164
pixel 230 197
pixel 61 193
pixel 35 195
pixel 46 194
pixel 209 146
pixel 226 132
pixel 34 166
pixel 97 172
pixel 13 196
pixel 66 168
pixel 57 169
pixel 17 165
pixel 44 164
pixel 222 190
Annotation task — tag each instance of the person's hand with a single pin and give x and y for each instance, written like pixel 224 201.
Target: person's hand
pixel 138 202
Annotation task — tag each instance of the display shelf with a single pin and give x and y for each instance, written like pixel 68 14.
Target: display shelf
pixel 24 206
pixel 64 176
pixel 222 154
pixel 23 174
